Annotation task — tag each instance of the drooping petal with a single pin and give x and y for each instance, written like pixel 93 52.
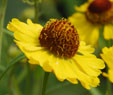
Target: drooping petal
pixel 28 33
pixel 85 49
pixel 60 67
pixel 108 31
pixel 63 69
pixel 88 32
pixel 82 8
pixel 28 50
pixel 88 69
pixel 107 56
pixel 110 75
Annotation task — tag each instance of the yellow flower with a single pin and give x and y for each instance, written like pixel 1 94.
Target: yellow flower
pixel 56 48
pixel 107 56
pixel 91 17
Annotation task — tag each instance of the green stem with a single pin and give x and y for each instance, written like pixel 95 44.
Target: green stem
pixel 9 33
pixel 2 16
pixel 44 83
pixel 109 88
pixel 10 80
pixel 109 85
pixel 15 89
pixel 36 10
pixel 109 43
pixel 11 63
pixel 28 80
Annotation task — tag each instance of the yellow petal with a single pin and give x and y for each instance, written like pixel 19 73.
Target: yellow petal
pixel 82 8
pixel 85 49
pixel 105 74
pixel 88 69
pixel 32 61
pixel 28 33
pixel 108 31
pixel 29 50
pixel 95 82
pixel 107 56
pixel 90 64
pixel 88 32
pixel 28 47
pixel 110 75
pixel 63 69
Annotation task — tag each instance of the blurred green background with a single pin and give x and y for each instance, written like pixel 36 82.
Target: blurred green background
pixel 23 78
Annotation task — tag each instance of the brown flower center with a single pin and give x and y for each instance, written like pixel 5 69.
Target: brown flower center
pixel 60 37
pixel 99 6
pixel 100 11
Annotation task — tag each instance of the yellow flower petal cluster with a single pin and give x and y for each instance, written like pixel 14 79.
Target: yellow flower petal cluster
pixel 107 56
pixel 88 31
pixel 83 66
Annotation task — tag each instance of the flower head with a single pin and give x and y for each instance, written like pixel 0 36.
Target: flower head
pixel 95 14
pixel 56 48
pixel 100 12
pixel 107 56
pixel 99 6
pixel 60 37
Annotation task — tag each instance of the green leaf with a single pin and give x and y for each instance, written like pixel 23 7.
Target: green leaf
pixel 11 63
